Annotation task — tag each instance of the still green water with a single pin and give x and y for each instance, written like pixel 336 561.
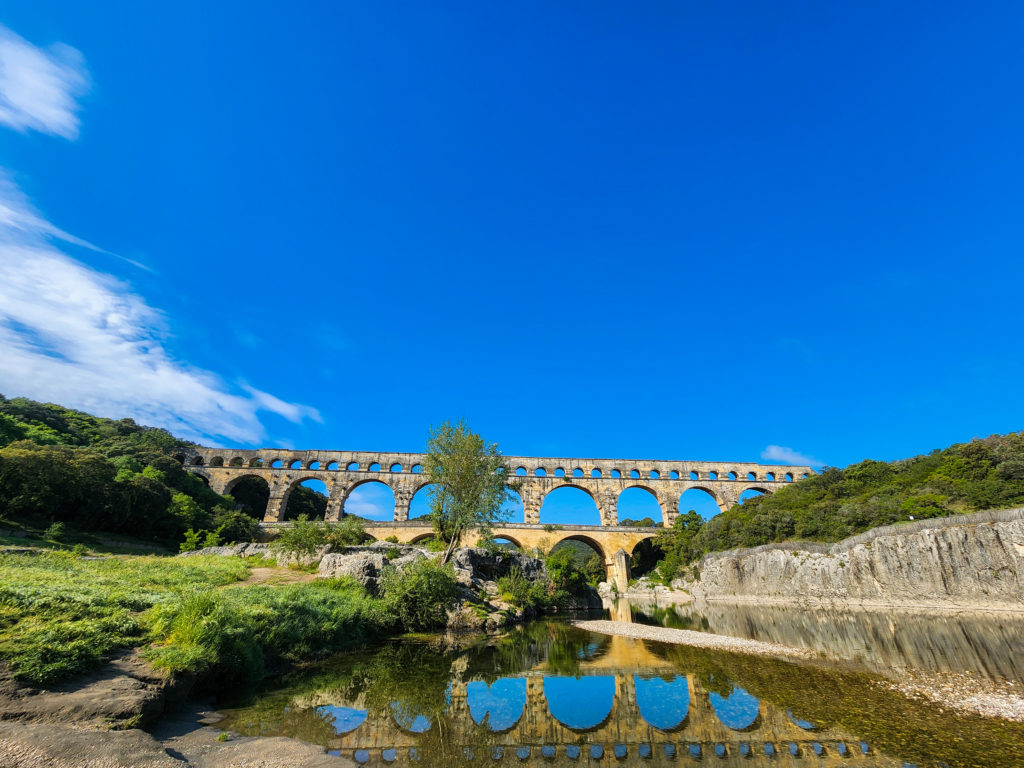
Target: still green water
pixel 548 693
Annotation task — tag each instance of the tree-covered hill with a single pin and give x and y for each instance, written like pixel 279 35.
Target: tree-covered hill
pixel 966 477
pixel 98 474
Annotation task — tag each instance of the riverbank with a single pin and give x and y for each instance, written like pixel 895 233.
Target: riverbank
pixel 964 694
pixel 965 562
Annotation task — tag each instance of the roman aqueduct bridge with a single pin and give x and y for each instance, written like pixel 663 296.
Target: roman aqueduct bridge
pixel 602 479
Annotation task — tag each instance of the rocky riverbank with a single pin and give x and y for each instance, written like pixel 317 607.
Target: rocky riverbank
pixel 973 562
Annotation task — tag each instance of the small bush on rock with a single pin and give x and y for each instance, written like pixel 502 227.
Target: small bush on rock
pixel 421 595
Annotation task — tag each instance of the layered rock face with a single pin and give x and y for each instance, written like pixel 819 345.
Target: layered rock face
pixel 957 562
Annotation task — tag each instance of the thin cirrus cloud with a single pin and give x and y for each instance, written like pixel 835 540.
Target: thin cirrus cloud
pixel 784 455
pixel 39 88
pixel 79 337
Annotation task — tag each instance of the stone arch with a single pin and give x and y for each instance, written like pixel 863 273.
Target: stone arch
pixel 360 484
pixel 217 461
pixel 586 696
pixel 639 486
pixel 481 700
pixel 739 711
pixel 251 492
pixel 256 461
pixel 314 464
pixel 547 495
pixel 232 482
pixel 707 507
pixel 178 457
pixel 421 537
pixel 589 541
pixel 295 483
pixel 419 502
pixel 512 540
pixel 663 704
pixel 352 466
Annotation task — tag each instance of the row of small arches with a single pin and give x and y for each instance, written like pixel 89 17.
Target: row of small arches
pixel 333 466
pixel 636 474
pixel 615 474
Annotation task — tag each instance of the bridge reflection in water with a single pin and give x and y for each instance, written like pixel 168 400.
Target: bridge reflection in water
pixel 606 700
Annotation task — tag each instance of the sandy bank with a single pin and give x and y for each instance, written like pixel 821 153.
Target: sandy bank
pixel 695 639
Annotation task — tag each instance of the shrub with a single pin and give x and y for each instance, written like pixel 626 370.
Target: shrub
pixel 191 542
pixel 305 536
pixel 55 532
pixel 420 596
pixel 523 593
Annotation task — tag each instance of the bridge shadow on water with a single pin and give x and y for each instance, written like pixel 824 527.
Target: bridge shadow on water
pixel 547 693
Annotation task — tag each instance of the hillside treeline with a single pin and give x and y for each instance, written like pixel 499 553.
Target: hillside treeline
pixel 97 474
pixel 966 477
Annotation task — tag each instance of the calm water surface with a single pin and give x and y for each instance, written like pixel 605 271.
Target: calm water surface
pixel 550 694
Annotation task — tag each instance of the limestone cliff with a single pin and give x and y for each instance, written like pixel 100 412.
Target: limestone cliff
pixel 973 561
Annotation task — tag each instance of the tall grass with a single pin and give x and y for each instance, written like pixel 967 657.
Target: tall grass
pixel 60 614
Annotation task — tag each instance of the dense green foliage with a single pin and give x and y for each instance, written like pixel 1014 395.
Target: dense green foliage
pixel 966 477
pixel 470 482
pixel 97 474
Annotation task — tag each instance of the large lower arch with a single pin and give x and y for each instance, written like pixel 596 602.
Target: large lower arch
pixel 501 538
pixel 584 560
pixel 569 505
pixel 371 500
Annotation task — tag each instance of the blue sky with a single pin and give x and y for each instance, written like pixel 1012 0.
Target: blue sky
pixel 678 230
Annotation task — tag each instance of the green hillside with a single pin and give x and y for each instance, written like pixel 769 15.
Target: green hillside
pixel 966 477
pixel 96 474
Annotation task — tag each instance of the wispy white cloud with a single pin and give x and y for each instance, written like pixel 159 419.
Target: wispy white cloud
pixel 39 88
pixel 782 455
pixel 82 338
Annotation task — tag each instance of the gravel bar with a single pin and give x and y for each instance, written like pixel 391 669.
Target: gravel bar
pixel 696 639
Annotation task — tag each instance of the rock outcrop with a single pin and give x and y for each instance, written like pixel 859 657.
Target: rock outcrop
pixel 972 561
pixel 366 564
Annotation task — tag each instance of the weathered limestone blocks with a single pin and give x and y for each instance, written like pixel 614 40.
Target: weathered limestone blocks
pixel 949 563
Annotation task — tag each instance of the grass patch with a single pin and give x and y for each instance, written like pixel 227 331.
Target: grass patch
pixel 59 613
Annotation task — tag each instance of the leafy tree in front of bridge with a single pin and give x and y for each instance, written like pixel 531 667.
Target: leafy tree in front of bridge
pixel 470 483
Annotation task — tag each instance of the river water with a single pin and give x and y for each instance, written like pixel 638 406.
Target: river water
pixel 548 693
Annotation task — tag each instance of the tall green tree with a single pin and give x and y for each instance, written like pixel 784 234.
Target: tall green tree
pixel 471 483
